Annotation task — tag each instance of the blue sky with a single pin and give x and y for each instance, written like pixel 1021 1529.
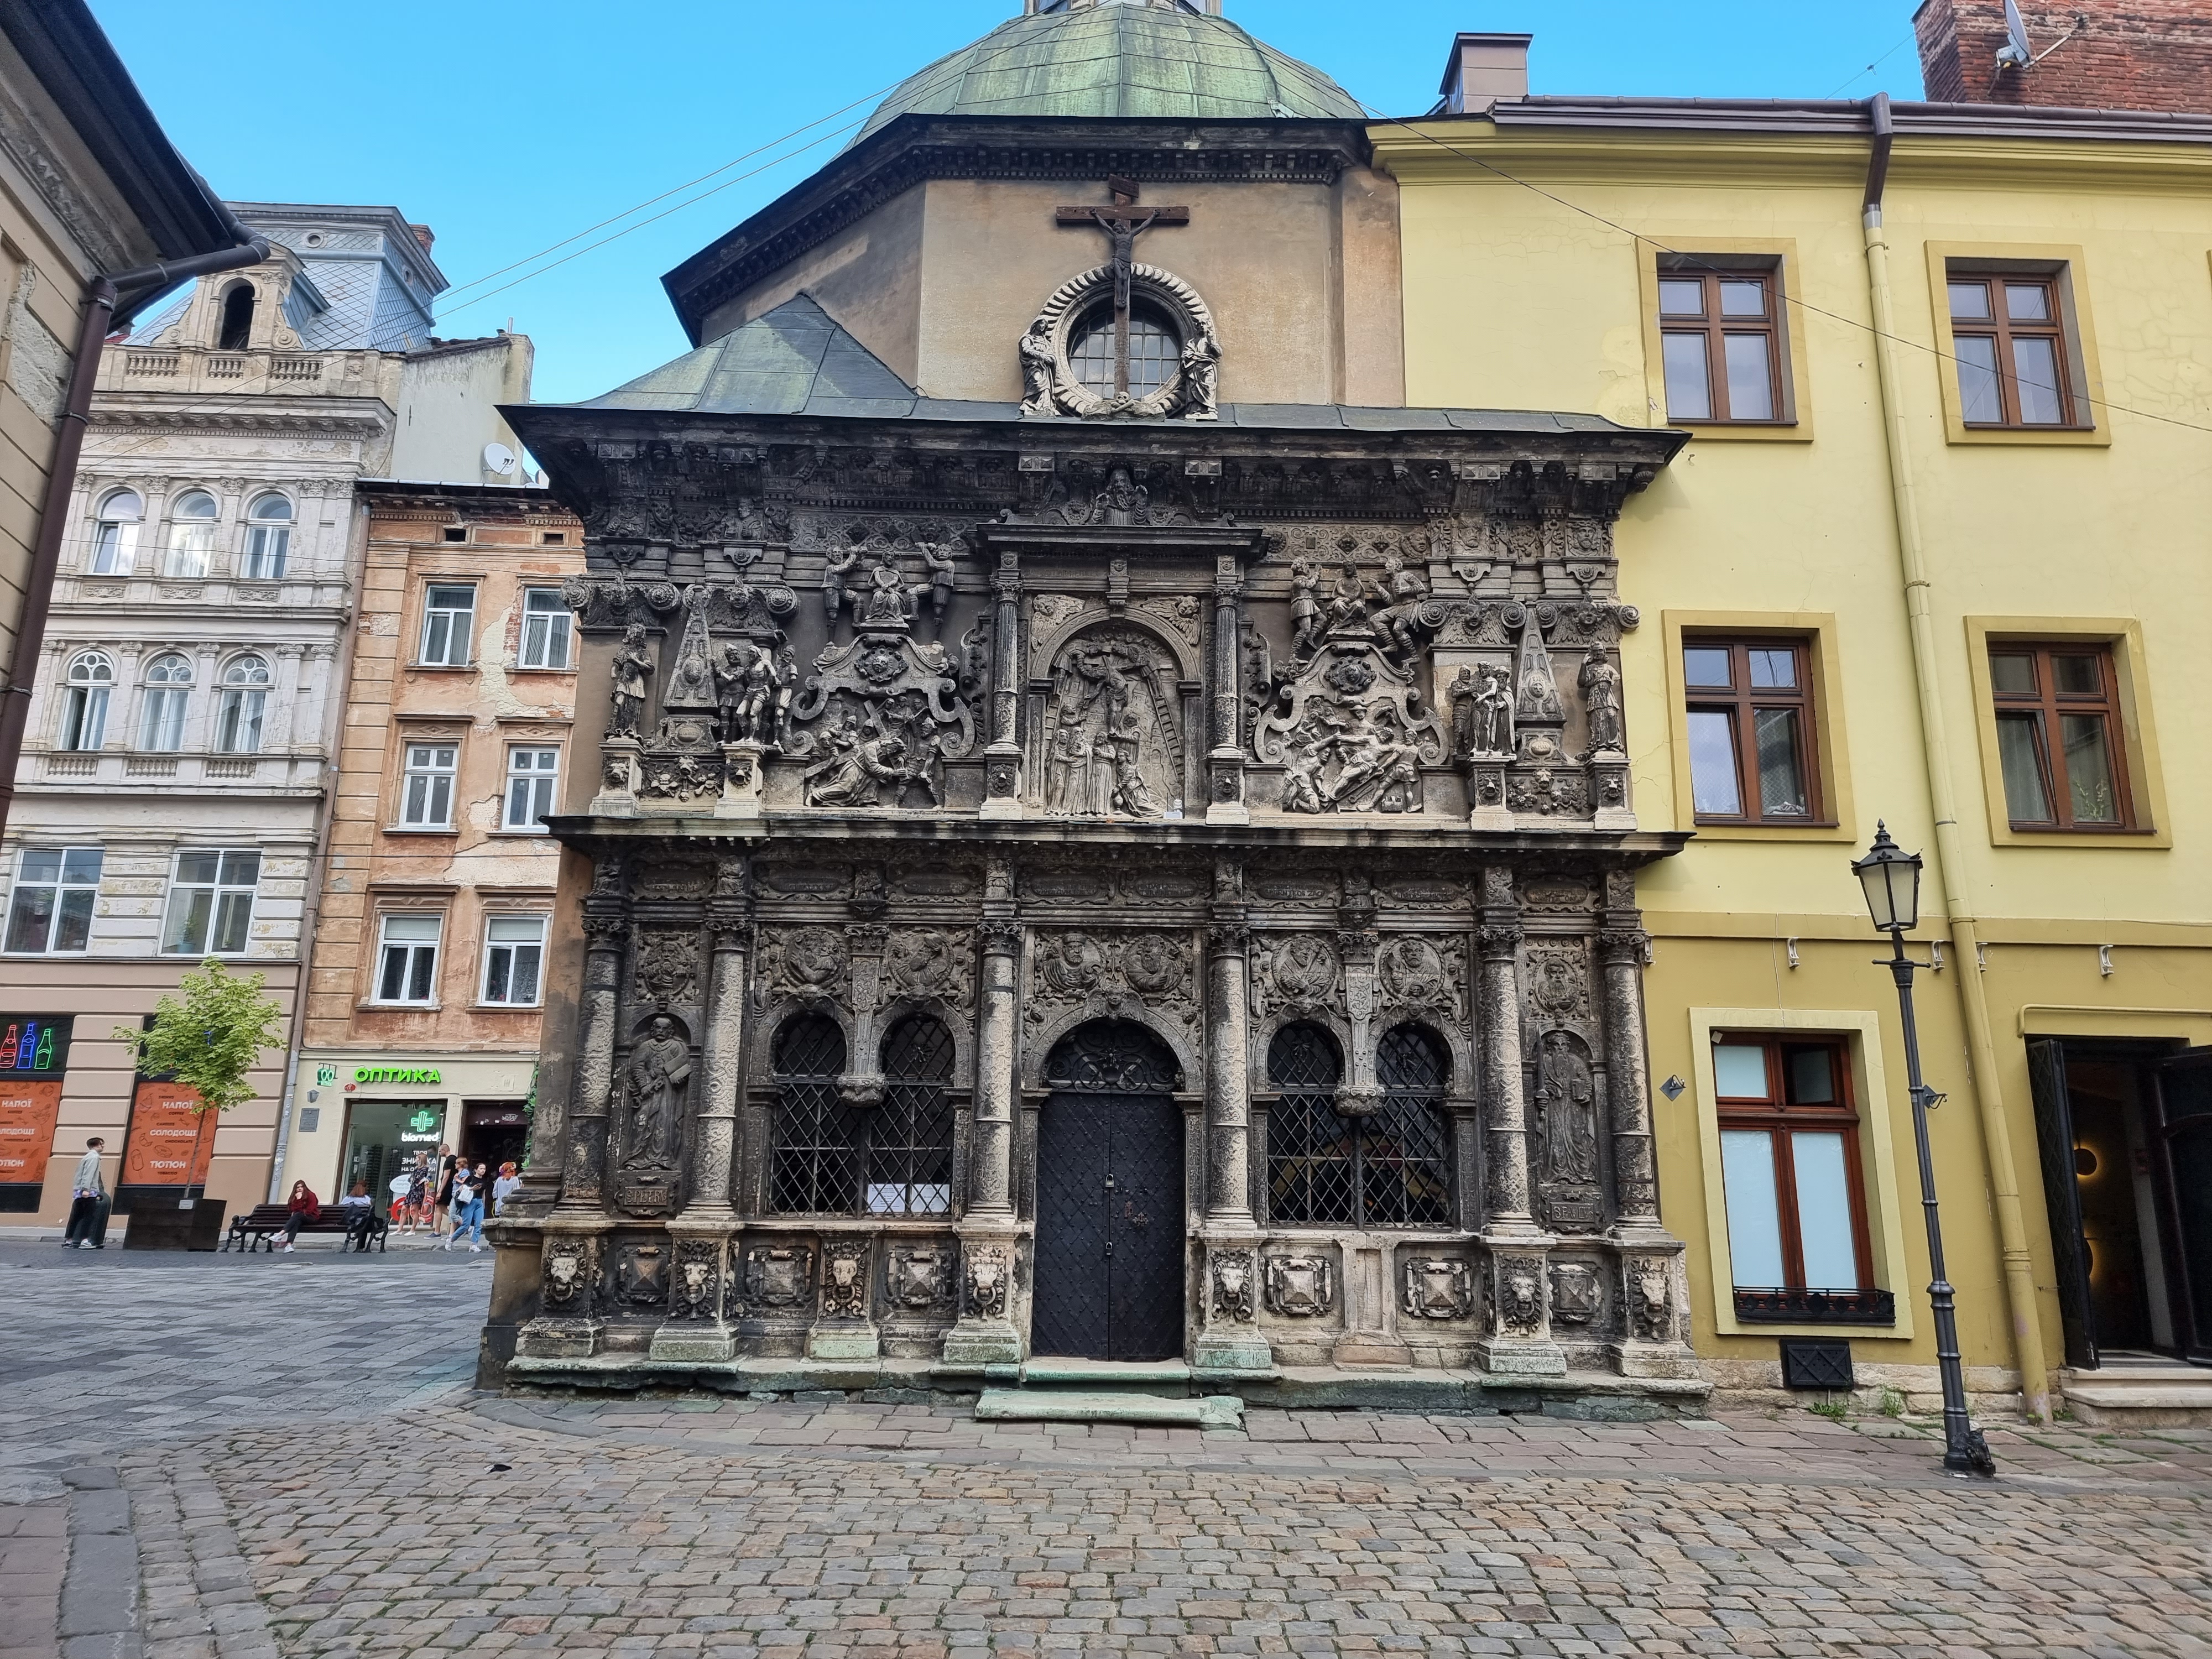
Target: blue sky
pixel 508 128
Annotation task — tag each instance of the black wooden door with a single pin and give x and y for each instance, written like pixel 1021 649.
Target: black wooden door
pixel 2054 1135
pixel 1109 1199
pixel 2182 1168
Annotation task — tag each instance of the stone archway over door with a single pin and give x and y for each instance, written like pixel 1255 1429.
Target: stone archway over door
pixel 1109 1198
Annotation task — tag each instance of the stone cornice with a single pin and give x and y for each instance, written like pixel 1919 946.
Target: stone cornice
pixel 915 148
pixel 139 412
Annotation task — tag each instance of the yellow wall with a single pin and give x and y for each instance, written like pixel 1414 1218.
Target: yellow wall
pixel 1515 300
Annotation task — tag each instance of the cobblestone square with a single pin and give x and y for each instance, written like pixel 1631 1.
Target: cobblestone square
pixel 215 1459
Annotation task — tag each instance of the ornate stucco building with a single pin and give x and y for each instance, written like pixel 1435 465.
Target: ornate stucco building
pixel 175 782
pixel 1124 855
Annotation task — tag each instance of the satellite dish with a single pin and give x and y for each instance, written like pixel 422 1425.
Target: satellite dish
pixel 498 458
pixel 2015 53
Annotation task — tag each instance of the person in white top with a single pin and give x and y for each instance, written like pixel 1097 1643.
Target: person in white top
pixel 88 1215
pixel 504 1188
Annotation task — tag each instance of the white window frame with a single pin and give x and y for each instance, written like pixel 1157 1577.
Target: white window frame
pixel 84 890
pixel 503 957
pixel 415 958
pixel 115 535
pixel 168 706
pixel 424 765
pixel 548 631
pixel 268 537
pixel 536 785
pixel 88 690
pixel 229 914
pixel 448 630
pixel 241 706
pixel 188 551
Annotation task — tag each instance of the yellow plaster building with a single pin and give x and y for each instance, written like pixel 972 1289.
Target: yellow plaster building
pixel 1936 553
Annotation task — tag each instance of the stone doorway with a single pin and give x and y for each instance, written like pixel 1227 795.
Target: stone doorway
pixel 1109 1198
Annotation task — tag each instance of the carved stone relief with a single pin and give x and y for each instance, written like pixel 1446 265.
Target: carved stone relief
pixel 778 1276
pixel 1415 974
pixel 1232 1284
pixel 1301 1286
pixel 667 966
pixel 1650 1299
pixel 845 1280
pixel 808 964
pixel 569 1265
pixel 1153 971
pixel 919 1276
pixel 1520 1297
pixel 1112 744
pixel 1577 1294
pixel 1558 980
pixel 640 1275
pixel 1438 1287
pixel 1567 1132
pixel 930 965
pixel 1293 973
pixel 986 1281
pixel 653 1088
pixel 697 1293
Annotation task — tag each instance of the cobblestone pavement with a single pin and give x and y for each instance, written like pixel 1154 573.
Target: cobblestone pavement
pixel 405 1515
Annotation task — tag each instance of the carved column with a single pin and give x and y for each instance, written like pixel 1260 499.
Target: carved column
pixel 989 1230
pixel 1002 757
pixel 863 1081
pixel 1224 790
pixel 1227 1340
pixel 1517 1335
pixel 701 1239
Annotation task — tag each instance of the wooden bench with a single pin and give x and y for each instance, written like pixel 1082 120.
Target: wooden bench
pixel 262 1224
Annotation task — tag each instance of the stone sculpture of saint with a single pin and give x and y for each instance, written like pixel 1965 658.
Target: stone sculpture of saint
pixel 1600 685
pixel 1130 794
pixel 731 677
pixel 786 690
pixel 1565 1096
pixel 632 664
pixel 941 573
pixel 1039 365
pixel 1305 607
pixel 1202 376
pixel 1482 714
pixel 835 568
pixel 1302 767
pixel 658 1068
pixel 1067 763
pixel 856 774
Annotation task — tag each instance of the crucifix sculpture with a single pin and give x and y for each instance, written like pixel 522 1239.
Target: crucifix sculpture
pixel 1122 224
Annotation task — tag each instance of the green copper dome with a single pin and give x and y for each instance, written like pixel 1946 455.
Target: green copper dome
pixel 1124 58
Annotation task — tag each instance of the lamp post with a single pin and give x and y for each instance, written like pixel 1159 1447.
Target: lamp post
pixel 1890 877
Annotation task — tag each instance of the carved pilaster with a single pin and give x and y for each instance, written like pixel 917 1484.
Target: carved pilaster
pixel 1497 1017
pixel 606 927
pixel 991 1193
pixel 1636 1178
pixel 863 1081
pixel 1225 782
pixel 1002 757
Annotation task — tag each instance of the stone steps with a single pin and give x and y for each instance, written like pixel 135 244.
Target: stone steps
pixel 1067 1405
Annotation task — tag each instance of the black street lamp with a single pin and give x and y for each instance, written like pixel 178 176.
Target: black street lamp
pixel 1891 879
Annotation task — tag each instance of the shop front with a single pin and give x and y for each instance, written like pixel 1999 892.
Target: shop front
pixel 361 1117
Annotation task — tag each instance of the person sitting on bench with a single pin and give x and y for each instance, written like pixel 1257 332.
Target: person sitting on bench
pixel 304 1206
pixel 359 1217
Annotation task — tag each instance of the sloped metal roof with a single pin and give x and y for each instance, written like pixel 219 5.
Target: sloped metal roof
pixel 1118 60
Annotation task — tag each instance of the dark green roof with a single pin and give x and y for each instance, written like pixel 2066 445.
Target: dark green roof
pixel 1118 59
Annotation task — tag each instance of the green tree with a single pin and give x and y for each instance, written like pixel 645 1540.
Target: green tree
pixel 210 1039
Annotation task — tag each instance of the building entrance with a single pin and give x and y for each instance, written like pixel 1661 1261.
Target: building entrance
pixel 1109 1198
pixel 2125 1134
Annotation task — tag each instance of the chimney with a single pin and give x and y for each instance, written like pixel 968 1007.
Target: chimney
pixel 1482 70
pixel 2087 54
pixel 424 235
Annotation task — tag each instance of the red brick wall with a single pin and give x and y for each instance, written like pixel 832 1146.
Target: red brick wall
pixel 2132 54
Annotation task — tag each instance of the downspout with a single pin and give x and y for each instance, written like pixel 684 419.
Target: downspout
pixel 61 478
pixel 1935 748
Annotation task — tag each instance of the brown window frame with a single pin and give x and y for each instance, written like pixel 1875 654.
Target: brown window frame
pixel 1741 699
pixel 1713 326
pixel 2002 328
pixel 1781 1119
pixel 2048 703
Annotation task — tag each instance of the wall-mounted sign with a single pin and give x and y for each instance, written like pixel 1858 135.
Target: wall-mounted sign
pixel 169 1145
pixel 33 1055
pixel 423 1127
pixel 325 1074
pixel 395 1074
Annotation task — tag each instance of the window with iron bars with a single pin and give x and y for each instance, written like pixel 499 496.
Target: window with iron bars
pixel 832 1158
pixel 1390 1170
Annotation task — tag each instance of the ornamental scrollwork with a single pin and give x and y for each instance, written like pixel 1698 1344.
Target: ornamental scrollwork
pixel 807 965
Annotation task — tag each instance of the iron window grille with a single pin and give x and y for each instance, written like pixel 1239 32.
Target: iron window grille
pixel 814 1163
pixel 1391 1168
pixel 909 1137
pixel 832 1158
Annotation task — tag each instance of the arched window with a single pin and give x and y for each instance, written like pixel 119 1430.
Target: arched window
pixel 268 537
pixel 192 535
pixel 1405 1167
pixel 237 326
pixel 168 688
pixel 115 532
pixel 1310 1150
pixel 1155 352
pixel 814 1165
pixel 245 697
pixel 910 1135
pixel 89 679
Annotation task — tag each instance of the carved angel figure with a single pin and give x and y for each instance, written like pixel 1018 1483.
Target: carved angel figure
pixel 632 664
pixel 653 1080
pixel 1039 365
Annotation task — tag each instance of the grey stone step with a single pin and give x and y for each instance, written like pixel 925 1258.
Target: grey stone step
pixel 1219 1411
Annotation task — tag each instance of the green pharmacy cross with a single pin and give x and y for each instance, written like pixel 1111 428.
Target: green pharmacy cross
pixel 1122 224
pixel 423 1121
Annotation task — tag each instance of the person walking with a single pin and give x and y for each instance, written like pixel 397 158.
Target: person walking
pixel 401 1210
pixel 467 1207
pixel 302 1207
pixel 88 1215
pixel 440 1218
pixel 504 1188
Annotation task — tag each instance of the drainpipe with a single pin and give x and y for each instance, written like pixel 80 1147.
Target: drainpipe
pixel 1974 1002
pixel 61 479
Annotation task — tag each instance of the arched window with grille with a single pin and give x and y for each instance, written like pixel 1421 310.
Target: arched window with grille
pixel 1405 1157
pixel 1311 1151
pixel 814 1164
pixel 169 689
pixel 909 1136
pixel 89 680
pixel 244 699
pixel 192 535
pixel 268 537
pixel 115 526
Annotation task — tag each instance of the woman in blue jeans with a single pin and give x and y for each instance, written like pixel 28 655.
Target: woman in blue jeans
pixel 468 1207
